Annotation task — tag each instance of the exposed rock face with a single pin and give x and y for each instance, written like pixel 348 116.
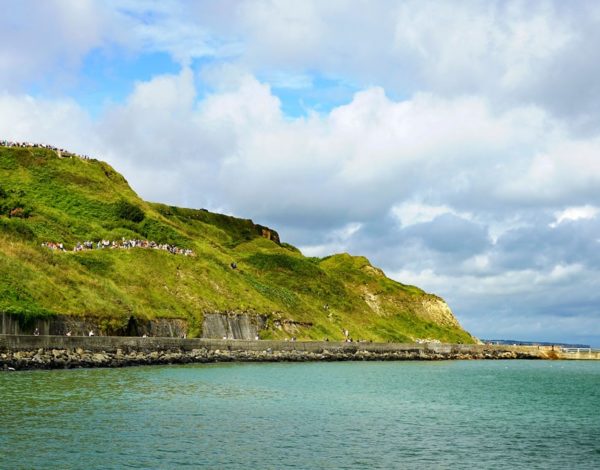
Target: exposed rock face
pixel 269 234
pixel 429 307
pixel 232 326
pixel 291 326
pixel 163 327
pixel 438 311
pixel 61 324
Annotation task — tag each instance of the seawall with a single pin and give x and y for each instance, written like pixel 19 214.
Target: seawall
pixel 58 325
pixel 214 325
pixel 21 352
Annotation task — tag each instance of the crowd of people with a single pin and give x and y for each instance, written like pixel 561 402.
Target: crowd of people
pixel 54 246
pixel 60 151
pixel 123 244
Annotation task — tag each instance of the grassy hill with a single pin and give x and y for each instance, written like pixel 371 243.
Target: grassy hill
pixel 46 198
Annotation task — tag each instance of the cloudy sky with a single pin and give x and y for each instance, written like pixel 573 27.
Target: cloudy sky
pixel 456 144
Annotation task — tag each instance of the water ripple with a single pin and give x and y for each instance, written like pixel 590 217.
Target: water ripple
pixel 472 414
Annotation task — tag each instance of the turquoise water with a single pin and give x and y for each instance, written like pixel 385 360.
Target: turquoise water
pixel 459 414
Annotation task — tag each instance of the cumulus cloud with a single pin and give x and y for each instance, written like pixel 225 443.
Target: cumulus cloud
pixel 62 123
pixel 412 212
pixel 47 41
pixel 512 52
pixel 575 213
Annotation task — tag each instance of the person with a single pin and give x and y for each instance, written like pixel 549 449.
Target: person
pixel 36 332
pixel 91 333
pixel 68 333
pixel 256 338
pixel 234 265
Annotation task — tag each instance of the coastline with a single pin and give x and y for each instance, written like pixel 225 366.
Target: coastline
pixel 24 352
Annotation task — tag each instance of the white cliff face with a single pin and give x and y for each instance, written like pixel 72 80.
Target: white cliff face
pixel 438 311
pixel 428 307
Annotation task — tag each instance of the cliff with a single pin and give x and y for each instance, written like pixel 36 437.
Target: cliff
pixel 210 274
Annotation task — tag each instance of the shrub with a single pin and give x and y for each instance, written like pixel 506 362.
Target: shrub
pixel 18 212
pixel 128 211
pixel 161 233
pixel 18 228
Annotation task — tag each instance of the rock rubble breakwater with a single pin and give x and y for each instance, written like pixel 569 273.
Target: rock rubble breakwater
pixel 133 352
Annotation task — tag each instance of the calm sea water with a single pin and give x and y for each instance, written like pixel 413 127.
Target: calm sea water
pixel 461 414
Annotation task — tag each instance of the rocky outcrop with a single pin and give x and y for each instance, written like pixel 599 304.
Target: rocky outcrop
pixel 437 310
pixel 61 324
pixel 291 327
pixel 232 326
pixel 269 234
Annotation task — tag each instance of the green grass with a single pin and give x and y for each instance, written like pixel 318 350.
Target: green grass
pixel 71 200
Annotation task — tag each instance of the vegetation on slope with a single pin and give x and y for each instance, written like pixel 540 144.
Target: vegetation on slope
pixel 45 198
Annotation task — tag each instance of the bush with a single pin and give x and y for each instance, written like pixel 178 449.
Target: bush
pixel 12 204
pixel 18 228
pixel 161 233
pixel 291 248
pixel 128 211
pixel 15 209
pixel 18 212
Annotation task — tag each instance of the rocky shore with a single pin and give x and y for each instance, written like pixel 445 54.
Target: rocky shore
pixel 77 358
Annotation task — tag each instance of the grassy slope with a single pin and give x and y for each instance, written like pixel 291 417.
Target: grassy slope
pixel 72 200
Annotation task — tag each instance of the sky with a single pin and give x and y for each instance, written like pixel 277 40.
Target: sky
pixel 455 144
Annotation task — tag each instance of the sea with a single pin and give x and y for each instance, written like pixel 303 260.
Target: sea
pixel 345 415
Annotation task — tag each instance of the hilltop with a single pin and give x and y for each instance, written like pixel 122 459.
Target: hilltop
pixel 229 266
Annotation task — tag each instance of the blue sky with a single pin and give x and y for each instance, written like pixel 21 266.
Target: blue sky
pixel 456 144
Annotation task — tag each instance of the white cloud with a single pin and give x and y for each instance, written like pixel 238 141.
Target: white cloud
pixel 63 123
pixel 568 170
pixel 47 41
pixel 575 213
pixel 411 212
pixel 336 241
pixel 560 273
pixel 522 304
pixel 154 26
pixel 481 44
pixel 510 52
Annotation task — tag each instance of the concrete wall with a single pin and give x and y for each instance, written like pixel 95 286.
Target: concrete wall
pixel 580 355
pixel 112 343
pixel 9 325
pixel 58 325
pixel 233 326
